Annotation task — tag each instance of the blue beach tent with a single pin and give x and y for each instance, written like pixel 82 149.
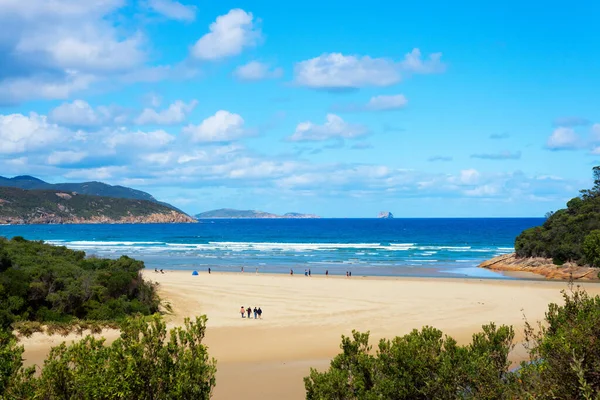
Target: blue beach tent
pixel 195 273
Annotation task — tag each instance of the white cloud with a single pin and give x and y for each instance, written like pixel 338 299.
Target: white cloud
pixel 173 9
pixel 468 177
pixel 228 36
pixel 563 139
pixel 80 113
pixel 138 139
pixel 100 173
pixel 334 127
pixel 413 62
pixel 383 103
pixel 20 133
pixel 14 90
pixel 255 70
pixel 174 114
pixel 66 157
pixel 338 71
pixel 221 127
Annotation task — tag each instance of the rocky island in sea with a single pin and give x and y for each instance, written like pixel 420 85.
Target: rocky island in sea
pixel 385 215
pixel 566 246
pixel 250 214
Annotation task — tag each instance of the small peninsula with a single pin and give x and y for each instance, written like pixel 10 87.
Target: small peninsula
pixel 566 246
pixel 19 206
pixel 230 213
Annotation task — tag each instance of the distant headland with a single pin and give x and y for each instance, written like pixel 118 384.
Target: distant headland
pixel 250 214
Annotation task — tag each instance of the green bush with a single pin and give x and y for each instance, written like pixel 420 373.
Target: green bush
pixel 145 363
pixel 564 362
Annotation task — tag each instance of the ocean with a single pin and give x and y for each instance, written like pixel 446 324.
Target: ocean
pixel 381 247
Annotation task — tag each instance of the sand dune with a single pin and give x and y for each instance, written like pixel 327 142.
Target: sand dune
pixel 304 318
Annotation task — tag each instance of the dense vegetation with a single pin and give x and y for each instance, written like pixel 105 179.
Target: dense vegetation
pixel 40 282
pixel 52 206
pixel 144 363
pixel 571 234
pixel 564 362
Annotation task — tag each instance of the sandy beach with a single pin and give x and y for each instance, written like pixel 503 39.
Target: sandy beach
pixel 304 318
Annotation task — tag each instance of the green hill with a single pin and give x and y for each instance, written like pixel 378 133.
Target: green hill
pixel 90 188
pixel 570 234
pixel 18 206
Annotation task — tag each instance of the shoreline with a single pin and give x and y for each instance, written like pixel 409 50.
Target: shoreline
pixel 502 276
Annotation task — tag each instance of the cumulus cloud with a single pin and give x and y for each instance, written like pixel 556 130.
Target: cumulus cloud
pixel 80 113
pixel 414 62
pixel 563 139
pixel 20 133
pixel 504 155
pixel 173 9
pixel 174 114
pixel 224 126
pixel 66 157
pixel 138 139
pixel 228 36
pixel 333 128
pixel 43 86
pixel 335 71
pixel 255 71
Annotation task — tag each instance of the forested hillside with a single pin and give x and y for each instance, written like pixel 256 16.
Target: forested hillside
pixel 40 282
pixel 570 234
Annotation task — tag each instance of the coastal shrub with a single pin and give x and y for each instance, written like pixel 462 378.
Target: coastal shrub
pixel 145 363
pixel 564 362
pixel 421 365
pixel 44 283
pixel 567 234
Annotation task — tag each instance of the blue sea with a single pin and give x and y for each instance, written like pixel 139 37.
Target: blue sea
pixel 381 247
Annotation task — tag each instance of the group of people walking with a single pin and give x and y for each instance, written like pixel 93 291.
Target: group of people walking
pixel 308 272
pixel 257 312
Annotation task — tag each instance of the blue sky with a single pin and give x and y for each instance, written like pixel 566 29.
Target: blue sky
pixel 428 109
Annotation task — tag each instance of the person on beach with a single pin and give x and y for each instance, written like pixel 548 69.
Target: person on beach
pixel 209 270
pixel 155 270
pixel 326 272
pixel 161 271
pixel 346 274
pixel 305 272
pixel 291 272
pixel 249 310
pixel 242 311
pixel 255 312
pixel 259 313
pixel 309 274
pixel 350 274
pixel 242 270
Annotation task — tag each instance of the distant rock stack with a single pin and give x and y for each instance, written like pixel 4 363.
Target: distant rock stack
pixel 385 215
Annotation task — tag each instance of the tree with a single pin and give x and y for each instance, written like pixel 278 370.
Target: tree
pixel 591 248
pixel 595 190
